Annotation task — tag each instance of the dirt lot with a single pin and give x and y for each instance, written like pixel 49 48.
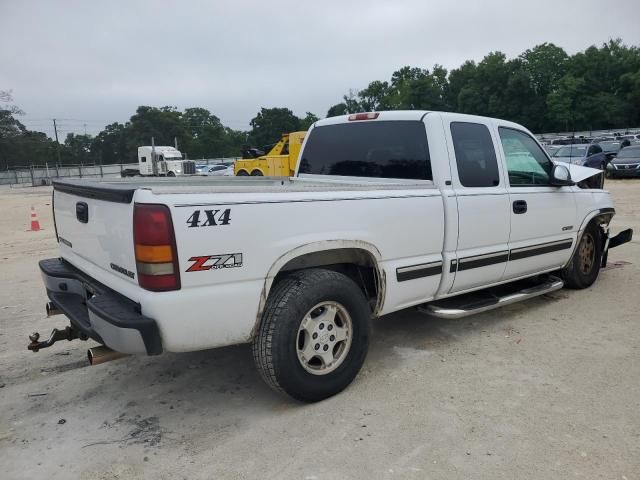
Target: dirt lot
pixel 545 389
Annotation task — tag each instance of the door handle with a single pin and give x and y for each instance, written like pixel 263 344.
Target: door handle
pixel 519 206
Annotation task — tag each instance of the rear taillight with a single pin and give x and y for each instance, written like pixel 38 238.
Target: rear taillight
pixel 364 116
pixel 155 248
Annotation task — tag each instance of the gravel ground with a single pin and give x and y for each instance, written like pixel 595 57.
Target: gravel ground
pixel 549 388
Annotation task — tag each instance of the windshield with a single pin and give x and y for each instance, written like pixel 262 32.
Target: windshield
pixel 610 147
pixel 571 152
pixel 629 152
pixel 382 149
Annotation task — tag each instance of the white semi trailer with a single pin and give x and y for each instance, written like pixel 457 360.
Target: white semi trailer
pixel 160 162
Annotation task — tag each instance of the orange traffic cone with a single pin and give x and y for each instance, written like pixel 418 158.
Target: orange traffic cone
pixel 35 224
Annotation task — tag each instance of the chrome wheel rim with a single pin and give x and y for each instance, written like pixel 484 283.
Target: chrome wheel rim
pixel 586 253
pixel 324 338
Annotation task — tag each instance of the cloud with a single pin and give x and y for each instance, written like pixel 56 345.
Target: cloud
pixel 95 62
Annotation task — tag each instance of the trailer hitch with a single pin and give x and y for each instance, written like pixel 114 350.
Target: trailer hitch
pixel 69 333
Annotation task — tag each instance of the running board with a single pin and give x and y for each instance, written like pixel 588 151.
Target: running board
pixel 483 300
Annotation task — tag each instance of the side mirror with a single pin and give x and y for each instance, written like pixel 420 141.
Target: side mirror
pixel 560 176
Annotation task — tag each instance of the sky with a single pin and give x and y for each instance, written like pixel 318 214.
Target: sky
pixel 91 63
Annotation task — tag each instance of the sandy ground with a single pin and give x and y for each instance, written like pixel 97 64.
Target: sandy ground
pixel 545 389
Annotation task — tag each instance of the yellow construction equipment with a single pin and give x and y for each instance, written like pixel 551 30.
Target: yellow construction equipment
pixel 279 162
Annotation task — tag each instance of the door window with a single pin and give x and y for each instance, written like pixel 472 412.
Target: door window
pixel 527 163
pixel 475 155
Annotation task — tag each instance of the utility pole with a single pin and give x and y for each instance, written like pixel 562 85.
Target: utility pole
pixel 55 129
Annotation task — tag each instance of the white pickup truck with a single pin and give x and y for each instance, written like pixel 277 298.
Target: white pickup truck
pixel 452 214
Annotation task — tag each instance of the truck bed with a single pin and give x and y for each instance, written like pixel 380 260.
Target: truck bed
pixel 122 189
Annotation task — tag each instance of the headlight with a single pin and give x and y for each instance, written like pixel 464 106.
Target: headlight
pixel 609 166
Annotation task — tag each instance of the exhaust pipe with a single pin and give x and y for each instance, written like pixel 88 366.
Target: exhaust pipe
pixel 103 354
pixel 52 309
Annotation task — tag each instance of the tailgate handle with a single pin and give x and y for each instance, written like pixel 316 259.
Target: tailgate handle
pixel 82 212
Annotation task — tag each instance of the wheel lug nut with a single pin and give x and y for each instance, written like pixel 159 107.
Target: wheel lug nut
pixel 330 327
pixel 332 337
pixel 314 336
pixel 321 326
pixel 325 348
pixel 317 346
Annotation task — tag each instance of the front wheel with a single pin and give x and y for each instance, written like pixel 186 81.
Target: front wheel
pixel 242 173
pixel 314 334
pixel 256 173
pixel 171 174
pixel 583 268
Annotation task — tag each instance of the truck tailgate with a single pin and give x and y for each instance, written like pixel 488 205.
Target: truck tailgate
pixel 95 226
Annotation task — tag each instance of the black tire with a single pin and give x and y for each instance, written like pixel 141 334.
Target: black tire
pixel 582 270
pixel 277 343
pixel 256 173
pixel 242 173
pixel 171 174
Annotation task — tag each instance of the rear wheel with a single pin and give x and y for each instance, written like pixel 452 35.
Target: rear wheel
pixel 171 174
pixel 314 334
pixel 256 173
pixel 242 173
pixel 583 268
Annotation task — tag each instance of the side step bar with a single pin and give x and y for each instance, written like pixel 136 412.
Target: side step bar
pixel 477 302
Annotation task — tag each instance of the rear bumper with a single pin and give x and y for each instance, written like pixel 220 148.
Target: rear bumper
pixel 99 312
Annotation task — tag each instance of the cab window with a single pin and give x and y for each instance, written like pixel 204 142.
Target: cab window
pixel 475 155
pixel 527 163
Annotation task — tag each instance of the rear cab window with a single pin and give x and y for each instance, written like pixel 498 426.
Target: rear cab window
pixel 475 155
pixel 379 149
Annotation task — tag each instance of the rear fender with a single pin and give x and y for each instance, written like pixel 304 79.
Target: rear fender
pixel 322 246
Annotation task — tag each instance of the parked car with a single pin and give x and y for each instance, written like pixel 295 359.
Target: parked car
pixel 386 211
pixel 551 149
pixel 584 155
pixel 626 163
pixel 220 169
pixel 610 148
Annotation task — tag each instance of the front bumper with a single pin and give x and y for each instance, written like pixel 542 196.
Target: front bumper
pixel 99 312
pixel 623 170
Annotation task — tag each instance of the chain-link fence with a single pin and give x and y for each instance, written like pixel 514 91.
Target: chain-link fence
pixel 37 175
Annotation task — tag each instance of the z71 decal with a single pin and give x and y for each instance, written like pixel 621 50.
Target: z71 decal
pixel 209 218
pixel 215 262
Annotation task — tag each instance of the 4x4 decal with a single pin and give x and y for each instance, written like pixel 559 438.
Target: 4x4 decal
pixel 210 218
pixel 215 262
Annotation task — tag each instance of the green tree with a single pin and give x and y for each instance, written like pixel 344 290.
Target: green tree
pixel 78 148
pixel 337 109
pixel 308 120
pixel 163 124
pixel 270 123
pixel 111 145
pixel 564 109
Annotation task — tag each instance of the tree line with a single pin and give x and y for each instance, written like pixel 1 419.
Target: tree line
pixel 544 88
pixel 198 133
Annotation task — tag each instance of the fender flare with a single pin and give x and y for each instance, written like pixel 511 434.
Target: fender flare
pixel 604 212
pixel 320 246
pixel 609 212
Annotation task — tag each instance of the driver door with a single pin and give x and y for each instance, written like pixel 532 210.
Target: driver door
pixel 543 217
